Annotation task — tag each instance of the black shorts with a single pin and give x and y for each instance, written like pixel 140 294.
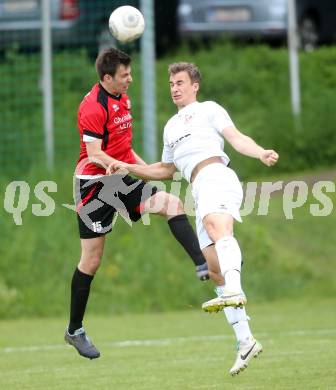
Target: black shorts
pixel 98 200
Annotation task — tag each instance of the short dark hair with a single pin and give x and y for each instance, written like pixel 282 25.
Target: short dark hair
pixel 191 69
pixel 109 60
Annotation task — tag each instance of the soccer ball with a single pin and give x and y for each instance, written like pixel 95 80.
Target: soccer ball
pixel 126 23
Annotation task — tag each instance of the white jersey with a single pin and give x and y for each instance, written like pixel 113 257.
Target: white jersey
pixel 194 134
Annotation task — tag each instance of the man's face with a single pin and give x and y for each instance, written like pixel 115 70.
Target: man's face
pixel 120 82
pixel 183 91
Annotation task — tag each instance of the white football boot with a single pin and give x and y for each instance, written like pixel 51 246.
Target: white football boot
pixel 247 350
pixel 237 299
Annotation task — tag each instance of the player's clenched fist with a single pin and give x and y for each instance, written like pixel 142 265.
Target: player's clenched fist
pixel 269 157
pixel 116 166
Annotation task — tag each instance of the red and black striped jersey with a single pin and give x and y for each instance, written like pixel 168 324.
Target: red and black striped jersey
pixel 106 117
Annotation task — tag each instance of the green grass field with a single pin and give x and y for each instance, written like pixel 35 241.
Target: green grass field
pixel 178 350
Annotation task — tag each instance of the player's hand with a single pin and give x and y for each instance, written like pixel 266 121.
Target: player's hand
pixel 269 157
pixel 116 166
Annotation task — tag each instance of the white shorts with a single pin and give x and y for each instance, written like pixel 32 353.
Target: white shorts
pixel 216 189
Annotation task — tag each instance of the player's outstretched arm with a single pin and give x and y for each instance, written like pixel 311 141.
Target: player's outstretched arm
pixel 97 156
pixel 248 147
pixel 156 171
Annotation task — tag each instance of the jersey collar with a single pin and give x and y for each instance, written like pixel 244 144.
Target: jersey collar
pixel 115 97
pixel 185 108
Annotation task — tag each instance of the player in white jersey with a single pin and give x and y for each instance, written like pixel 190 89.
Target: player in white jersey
pixel 193 144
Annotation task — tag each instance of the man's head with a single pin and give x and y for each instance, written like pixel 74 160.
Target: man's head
pixel 184 80
pixel 114 70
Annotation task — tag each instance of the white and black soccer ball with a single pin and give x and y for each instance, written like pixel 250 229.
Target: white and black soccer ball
pixel 126 23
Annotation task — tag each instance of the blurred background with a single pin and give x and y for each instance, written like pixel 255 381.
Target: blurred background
pixel 241 49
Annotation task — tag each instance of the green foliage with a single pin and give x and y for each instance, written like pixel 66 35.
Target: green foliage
pixel 251 82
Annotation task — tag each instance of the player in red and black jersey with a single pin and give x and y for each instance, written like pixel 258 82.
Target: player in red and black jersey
pixel 106 118
pixel 105 127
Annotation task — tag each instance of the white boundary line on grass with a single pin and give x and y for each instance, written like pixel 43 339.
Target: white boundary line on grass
pixel 168 341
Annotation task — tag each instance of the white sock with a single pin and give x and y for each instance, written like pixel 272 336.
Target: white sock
pixel 229 257
pixel 232 281
pixel 238 318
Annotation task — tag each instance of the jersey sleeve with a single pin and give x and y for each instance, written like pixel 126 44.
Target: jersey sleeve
pixel 219 117
pixel 92 120
pixel 167 153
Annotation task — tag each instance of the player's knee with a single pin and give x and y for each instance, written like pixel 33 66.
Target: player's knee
pixel 95 263
pixel 170 205
pixel 217 229
pixel 210 227
pixel 89 263
pixel 174 205
pixel 165 204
